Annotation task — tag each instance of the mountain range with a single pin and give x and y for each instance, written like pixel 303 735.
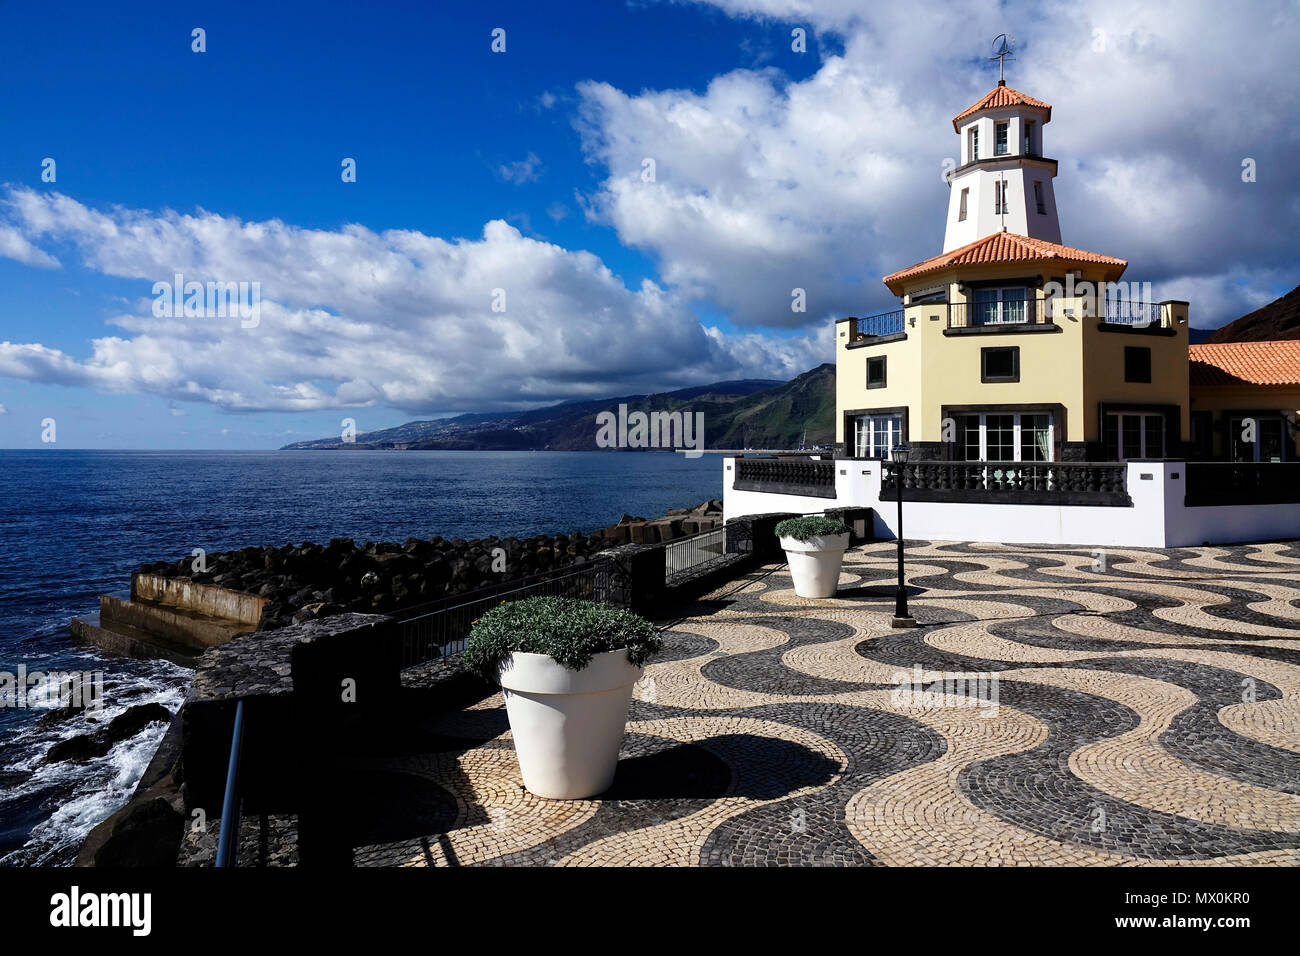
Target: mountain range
pixel 749 413
pixel 1280 319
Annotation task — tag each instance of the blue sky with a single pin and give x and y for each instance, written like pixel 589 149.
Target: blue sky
pixel 521 171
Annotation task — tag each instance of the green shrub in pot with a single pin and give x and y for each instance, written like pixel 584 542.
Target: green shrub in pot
pixel 809 527
pixel 568 630
pixel 814 548
pixel 567 668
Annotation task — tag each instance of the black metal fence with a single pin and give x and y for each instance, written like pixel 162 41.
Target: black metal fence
pixel 1009 482
pixel 688 557
pixel 440 631
pixel 1024 310
pixel 1135 314
pixel 1241 483
pixel 874 326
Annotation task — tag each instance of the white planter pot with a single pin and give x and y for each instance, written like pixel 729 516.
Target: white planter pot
pixel 568 725
pixel 815 564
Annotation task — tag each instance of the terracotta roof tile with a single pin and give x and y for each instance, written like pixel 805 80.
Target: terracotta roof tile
pixel 1246 363
pixel 1002 96
pixel 1002 247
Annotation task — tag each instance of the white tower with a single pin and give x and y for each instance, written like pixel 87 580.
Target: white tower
pixel 1003 183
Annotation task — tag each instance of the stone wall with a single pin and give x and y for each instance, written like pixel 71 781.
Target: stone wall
pixel 303 582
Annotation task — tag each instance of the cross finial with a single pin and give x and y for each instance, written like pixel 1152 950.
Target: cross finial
pixel 1002 45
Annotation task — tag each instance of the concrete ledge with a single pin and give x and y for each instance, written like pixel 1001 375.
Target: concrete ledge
pixel 131 642
pixel 183 627
pixel 206 599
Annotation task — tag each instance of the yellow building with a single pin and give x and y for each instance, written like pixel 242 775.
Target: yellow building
pixel 1245 401
pixel 1011 346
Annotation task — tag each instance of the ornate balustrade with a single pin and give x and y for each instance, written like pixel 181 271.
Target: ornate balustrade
pixel 1010 482
pixel 786 476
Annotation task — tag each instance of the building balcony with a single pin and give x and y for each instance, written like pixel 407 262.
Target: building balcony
pixel 874 328
pixel 1005 315
pixel 1031 314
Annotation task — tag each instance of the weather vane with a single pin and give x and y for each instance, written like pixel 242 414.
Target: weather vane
pixel 1002 45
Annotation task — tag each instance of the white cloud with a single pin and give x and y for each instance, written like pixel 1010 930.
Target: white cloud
pixel 3 410
pixel 354 318
pixel 13 245
pixel 827 183
pixel 526 170
pixel 763 184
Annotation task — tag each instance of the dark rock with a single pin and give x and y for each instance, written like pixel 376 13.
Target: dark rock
pixel 58 715
pixel 308 612
pixel 134 719
pixel 143 833
pixel 77 749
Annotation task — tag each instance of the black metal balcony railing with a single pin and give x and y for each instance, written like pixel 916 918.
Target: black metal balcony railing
pixel 1242 483
pixel 1136 314
pixel 1026 311
pixel 1010 482
pixel 1016 312
pixel 440 629
pixel 874 326
pixel 786 476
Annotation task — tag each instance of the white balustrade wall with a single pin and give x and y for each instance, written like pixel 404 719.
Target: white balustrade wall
pixel 1157 518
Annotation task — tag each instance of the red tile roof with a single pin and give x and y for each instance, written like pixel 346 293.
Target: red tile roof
pixel 1003 247
pixel 999 97
pixel 1246 363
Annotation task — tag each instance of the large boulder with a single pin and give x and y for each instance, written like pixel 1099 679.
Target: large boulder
pixel 78 749
pixel 134 719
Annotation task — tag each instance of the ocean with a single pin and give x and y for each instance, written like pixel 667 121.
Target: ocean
pixel 75 524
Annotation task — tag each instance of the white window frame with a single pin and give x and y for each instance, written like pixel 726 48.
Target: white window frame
pixel 882 433
pixel 1003 314
pixel 961 204
pixel 1000 203
pixel 1143 451
pixel 1003 147
pixel 1016 433
pixel 973 143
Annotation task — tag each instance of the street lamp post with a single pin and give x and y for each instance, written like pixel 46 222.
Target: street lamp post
pixel 902 618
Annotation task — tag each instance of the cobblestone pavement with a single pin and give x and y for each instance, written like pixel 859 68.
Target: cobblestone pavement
pixel 1056 707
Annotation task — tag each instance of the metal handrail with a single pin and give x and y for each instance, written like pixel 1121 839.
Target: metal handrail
pixel 880 324
pixel 1132 313
pixel 228 840
pixel 686 555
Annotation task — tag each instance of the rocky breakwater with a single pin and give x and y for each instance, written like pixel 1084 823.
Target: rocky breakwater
pixel 308 581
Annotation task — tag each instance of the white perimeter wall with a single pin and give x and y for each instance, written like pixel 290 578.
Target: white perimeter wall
pixel 1157 518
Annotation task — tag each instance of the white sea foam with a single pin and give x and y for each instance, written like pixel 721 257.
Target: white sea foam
pixel 89 792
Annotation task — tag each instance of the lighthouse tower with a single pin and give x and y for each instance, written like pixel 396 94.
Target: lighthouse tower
pixel 1003 183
